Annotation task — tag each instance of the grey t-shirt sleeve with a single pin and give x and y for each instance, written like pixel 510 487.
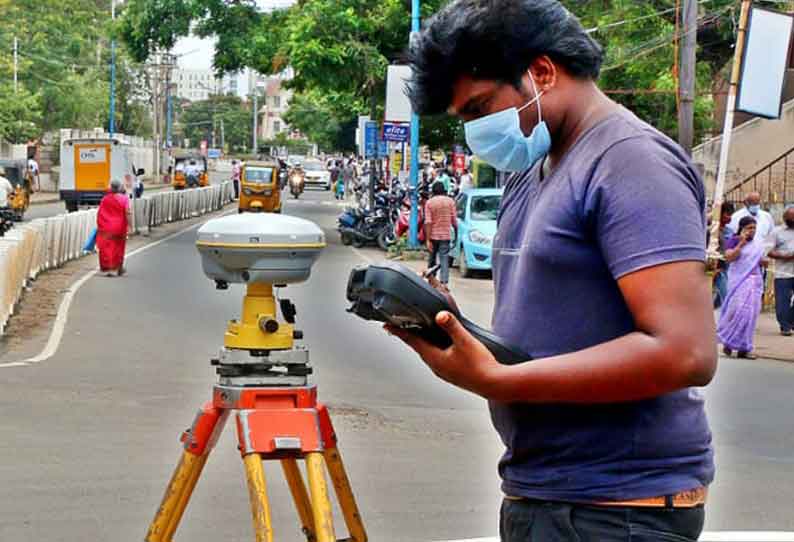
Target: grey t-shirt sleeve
pixel 645 206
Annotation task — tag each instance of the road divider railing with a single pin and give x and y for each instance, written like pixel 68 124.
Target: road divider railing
pixel 31 248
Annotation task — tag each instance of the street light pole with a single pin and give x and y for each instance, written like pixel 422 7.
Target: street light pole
pixel 413 237
pixel 727 130
pixel 16 64
pixel 256 120
pixel 112 115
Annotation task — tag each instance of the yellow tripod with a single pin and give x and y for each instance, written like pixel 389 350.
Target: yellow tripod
pixel 281 423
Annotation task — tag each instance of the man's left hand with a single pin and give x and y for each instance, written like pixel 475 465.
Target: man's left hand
pixel 467 364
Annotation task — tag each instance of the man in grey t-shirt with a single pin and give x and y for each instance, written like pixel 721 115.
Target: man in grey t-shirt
pixel 782 241
pixel 599 276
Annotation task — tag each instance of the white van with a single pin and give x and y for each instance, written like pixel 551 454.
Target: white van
pixel 89 164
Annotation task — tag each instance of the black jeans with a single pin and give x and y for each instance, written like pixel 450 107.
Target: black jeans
pixel 441 252
pixel 784 290
pixel 545 521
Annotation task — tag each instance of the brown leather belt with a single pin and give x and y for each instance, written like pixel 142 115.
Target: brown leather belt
pixel 684 499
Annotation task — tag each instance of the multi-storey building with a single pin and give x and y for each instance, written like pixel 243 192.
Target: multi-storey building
pixel 196 85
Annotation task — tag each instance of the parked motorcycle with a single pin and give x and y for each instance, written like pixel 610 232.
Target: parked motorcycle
pixel 367 228
pixel 359 226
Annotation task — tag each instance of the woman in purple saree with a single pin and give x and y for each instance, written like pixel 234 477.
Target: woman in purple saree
pixel 742 304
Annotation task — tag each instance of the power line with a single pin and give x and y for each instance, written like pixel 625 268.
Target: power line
pixel 641 18
pixel 664 41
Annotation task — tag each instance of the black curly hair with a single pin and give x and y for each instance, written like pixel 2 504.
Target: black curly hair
pixel 496 40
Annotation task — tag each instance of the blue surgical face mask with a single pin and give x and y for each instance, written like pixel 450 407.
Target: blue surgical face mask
pixel 497 138
pixel 753 209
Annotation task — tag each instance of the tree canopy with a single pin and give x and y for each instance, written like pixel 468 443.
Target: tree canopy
pixel 64 55
pixel 199 120
pixel 338 52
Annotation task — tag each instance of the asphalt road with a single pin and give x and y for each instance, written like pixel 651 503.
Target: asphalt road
pixel 89 438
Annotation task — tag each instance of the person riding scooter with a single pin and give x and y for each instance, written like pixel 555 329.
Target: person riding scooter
pixel 296 181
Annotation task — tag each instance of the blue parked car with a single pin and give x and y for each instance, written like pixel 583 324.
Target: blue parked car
pixel 477 209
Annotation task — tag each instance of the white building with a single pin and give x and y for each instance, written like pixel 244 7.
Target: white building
pixel 273 101
pixel 196 85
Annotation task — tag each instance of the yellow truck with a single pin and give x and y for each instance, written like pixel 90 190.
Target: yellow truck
pixel 87 167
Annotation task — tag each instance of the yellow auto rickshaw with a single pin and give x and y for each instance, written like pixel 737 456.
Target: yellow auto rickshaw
pixel 259 187
pixel 190 171
pixel 21 178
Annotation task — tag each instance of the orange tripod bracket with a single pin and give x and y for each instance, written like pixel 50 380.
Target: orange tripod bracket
pixel 273 423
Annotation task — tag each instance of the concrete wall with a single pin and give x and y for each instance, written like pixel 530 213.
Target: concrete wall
pixel 754 145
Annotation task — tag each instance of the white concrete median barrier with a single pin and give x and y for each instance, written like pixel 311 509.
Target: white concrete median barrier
pixel 34 247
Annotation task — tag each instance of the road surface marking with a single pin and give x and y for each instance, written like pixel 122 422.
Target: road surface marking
pixel 707 536
pixel 363 256
pixel 54 340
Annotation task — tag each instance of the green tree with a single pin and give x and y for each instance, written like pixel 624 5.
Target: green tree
pixel 341 48
pixel 64 55
pixel 20 114
pixel 198 120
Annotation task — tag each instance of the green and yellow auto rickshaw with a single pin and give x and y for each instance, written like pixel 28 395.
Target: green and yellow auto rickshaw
pixel 260 190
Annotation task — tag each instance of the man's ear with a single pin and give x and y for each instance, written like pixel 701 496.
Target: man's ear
pixel 544 72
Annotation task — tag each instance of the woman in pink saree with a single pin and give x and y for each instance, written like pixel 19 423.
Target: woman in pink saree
pixel 742 304
pixel 112 223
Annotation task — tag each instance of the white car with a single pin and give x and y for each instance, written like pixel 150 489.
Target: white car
pixel 317 175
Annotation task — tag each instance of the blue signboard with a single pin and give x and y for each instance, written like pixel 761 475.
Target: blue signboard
pixel 398 133
pixel 213 153
pixel 383 149
pixel 370 139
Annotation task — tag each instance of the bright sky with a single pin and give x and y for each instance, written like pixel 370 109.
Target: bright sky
pixel 200 51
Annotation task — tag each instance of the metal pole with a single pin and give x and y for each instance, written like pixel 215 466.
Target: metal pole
pixel 686 88
pixel 112 115
pixel 223 137
pixel 413 239
pixel 155 107
pixel 253 151
pixel 169 120
pixel 719 189
pixel 16 64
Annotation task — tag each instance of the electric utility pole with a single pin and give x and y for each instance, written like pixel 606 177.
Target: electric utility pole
pixel 156 117
pixel 112 114
pixel 256 120
pixel 686 82
pixel 16 64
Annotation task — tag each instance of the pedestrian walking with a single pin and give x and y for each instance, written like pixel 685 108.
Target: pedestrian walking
pixel 466 180
pixel 742 304
pixel 33 167
pixel 605 430
pixel 342 182
pixel 443 178
pixel 725 233
pixel 350 176
pixel 782 240
pixel 113 219
pixel 236 178
pixel 440 220
pixel 765 222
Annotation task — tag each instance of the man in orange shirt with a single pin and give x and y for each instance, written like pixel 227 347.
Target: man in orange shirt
pixel 440 218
